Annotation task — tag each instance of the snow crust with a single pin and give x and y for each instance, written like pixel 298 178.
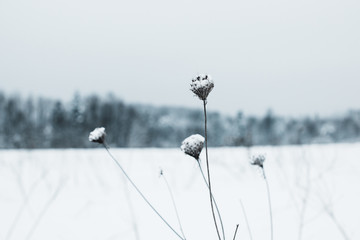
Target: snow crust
pixel 81 194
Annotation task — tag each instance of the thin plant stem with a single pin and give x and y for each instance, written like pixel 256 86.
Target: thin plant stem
pixel 236 229
pixel 44 210
pixel 330 211
pixel 246 219
pixel 138 190
pixel 338 225
pixel 174 204
pixel 304 201
pixel 25 203
pixel 131 209
pixel 208 173
pixel 216 206
pixel 269 200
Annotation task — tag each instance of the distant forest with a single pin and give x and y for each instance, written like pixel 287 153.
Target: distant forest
pixel 45 123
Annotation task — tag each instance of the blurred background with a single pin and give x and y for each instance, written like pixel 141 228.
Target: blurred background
pixel 284 72
pixel 44 123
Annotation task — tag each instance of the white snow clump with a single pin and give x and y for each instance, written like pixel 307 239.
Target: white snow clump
pixel 193 145
pixel 202 85
pixel 98 135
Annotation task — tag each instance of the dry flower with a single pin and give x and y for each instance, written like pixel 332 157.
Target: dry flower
pixel 202 85
pixel 98 135
pixel 258 160
pixel 193 145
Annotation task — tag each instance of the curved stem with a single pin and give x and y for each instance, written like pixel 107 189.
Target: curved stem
pixel 216 206
pixel 138 190
pixel 131 210
pixel 269 200
pixel 173 201
pixel 246 220
pixel 208 173
pixel 237 226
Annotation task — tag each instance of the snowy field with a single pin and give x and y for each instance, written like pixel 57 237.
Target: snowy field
pixel 81 194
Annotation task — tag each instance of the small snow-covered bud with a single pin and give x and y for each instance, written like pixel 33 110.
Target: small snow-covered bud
pixel 202 85
pixel 98 135
pixel 193 145
pixel 258 160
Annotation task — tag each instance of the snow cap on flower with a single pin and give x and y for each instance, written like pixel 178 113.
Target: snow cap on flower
pixel 193 145
pixel 202 85
pixel 258 160
pixel 98 135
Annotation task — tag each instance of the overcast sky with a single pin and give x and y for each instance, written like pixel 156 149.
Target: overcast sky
pixel 296 57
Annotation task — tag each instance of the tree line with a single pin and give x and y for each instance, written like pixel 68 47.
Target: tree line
pixel 45 123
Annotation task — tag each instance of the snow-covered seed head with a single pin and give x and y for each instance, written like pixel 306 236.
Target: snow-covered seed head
pixel 258 160
pixel 98 135
pixel 202 85
pixel 193 145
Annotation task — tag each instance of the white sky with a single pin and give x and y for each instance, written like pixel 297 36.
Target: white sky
pixel 296 57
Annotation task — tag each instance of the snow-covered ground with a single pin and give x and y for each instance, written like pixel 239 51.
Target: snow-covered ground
pixel 82 194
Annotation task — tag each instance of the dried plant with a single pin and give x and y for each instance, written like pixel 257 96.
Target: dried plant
pixel 173 202
pixel 202 85
pixel 193 146
pixel 98 136
pixel 259 160
pixel 246 220
pixel 236 229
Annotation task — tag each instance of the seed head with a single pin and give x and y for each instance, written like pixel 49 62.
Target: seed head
pixel 193 145
pixel 202 85
pixel 258 160
pixel 98 135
